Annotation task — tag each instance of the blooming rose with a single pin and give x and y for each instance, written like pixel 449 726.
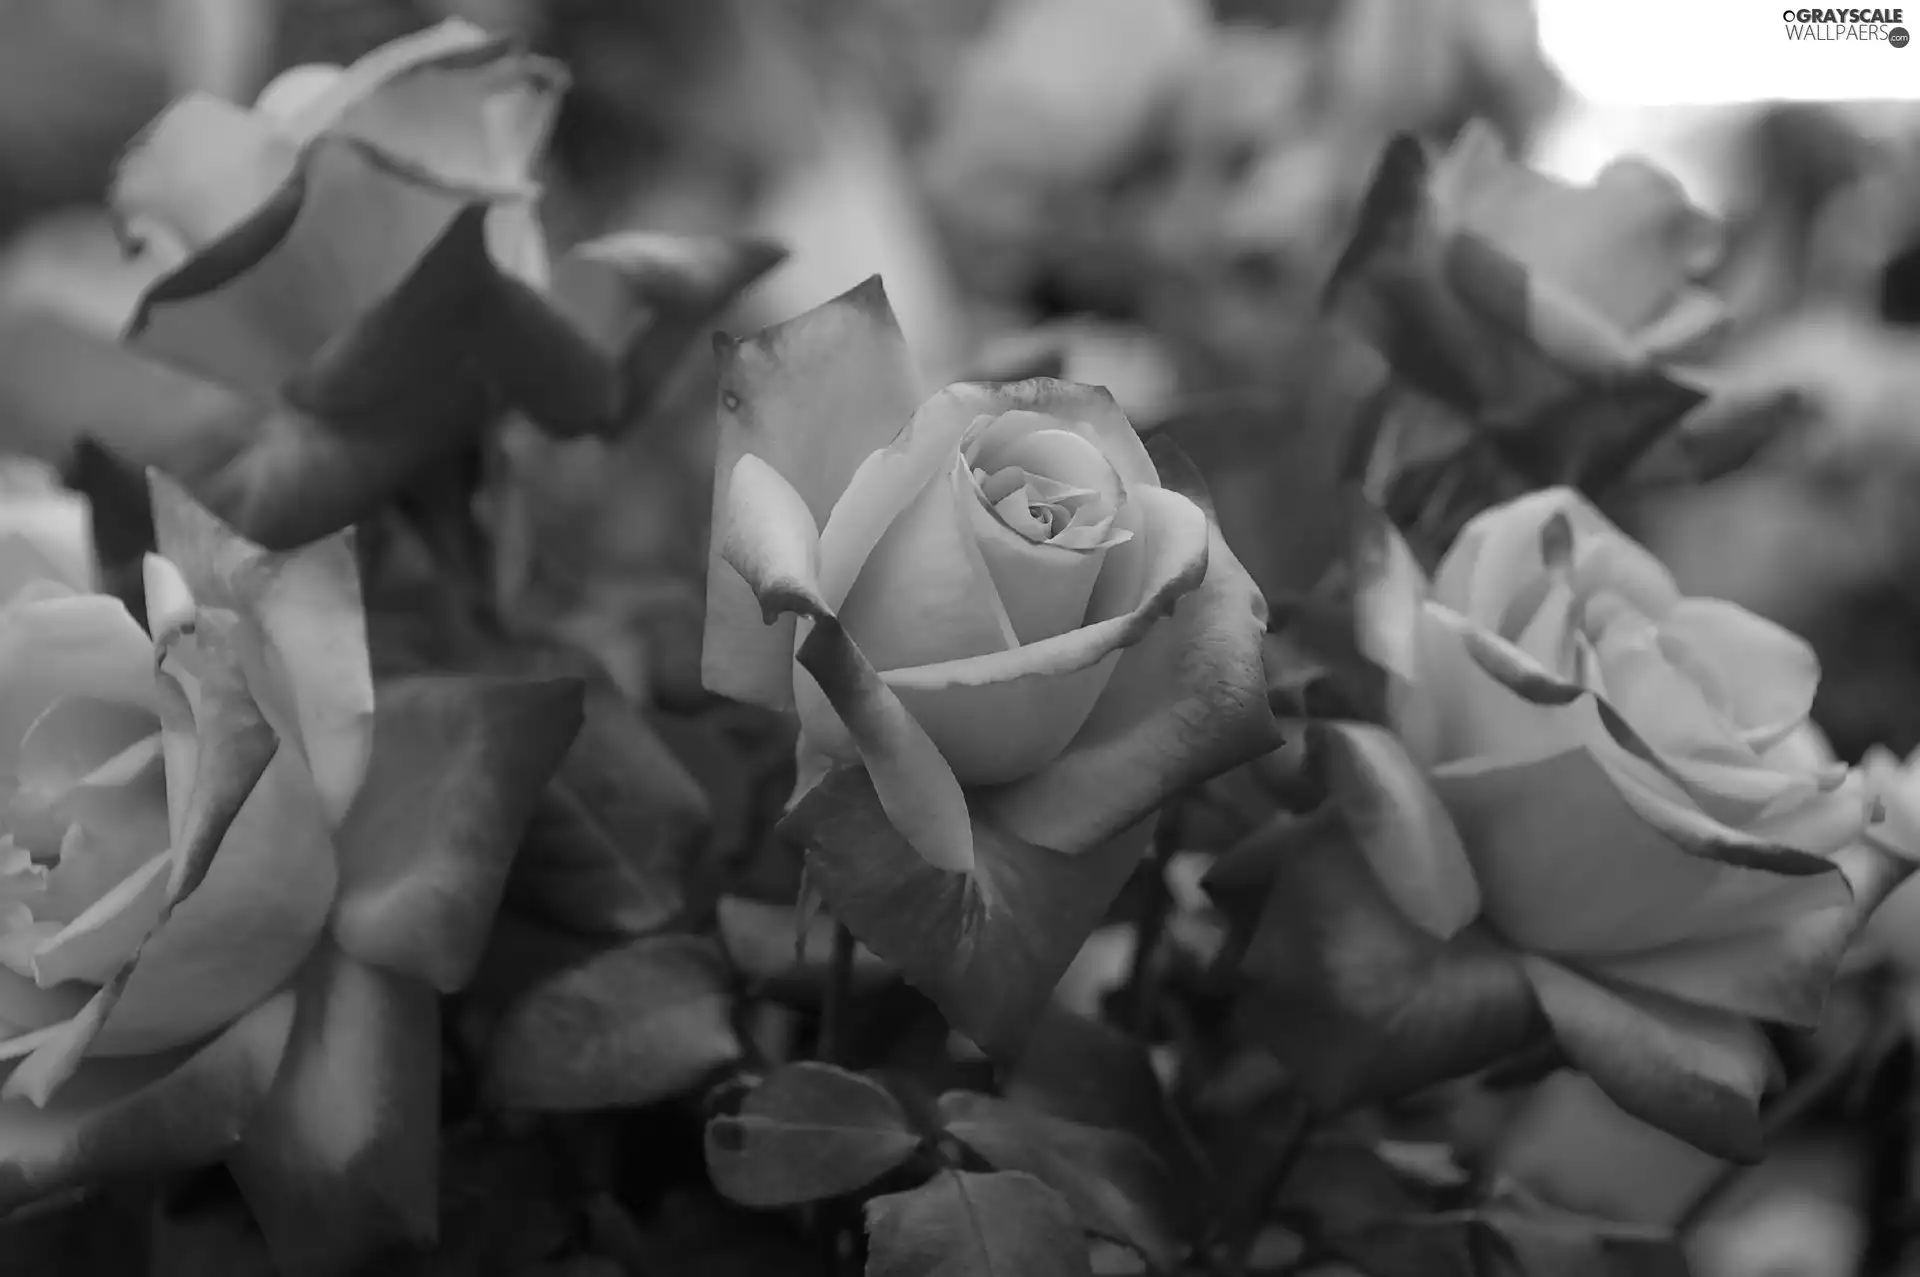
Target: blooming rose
pixel 222 927
pixel 1620 783
pixel 979 583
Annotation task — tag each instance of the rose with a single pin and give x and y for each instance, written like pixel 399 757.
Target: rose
pixel 451 103
pixel 226 900
pixel 1009 631
pixel 357 260
pixel 1551 314
pixel 985 563
pixel 1620 784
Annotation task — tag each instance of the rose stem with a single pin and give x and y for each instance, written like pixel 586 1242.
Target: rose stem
pixel 1155 903
pixel 1279 1147
pixel 831 1046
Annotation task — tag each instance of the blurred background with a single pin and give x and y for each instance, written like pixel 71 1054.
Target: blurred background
pixel 1152 193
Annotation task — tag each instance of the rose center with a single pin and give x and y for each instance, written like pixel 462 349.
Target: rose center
pixel 1044 510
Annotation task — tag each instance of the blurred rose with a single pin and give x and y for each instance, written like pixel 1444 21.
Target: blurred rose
pixel 1629 795
pixel 993 555
pixel 217 938
pixel 1629 248
pixel 452 102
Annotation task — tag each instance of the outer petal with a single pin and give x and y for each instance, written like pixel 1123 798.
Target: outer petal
pixel 120 1117
pixel 1759 674
pixel 252 873
pixel 466 105
pixel 342 235
pixel 1568 866
pixel 887 481
pixel 1186 702
pixel 1779 971
pixel 457 766
pixel 1499 553
pixel 811 397
pixel 198 676
pixel 1389 598
pixel 771 543
pixel 1694 1073
pixel 342 1158
pixel 309 668
pixel 1500 709
pixel 201 169
pixel 470 109
pixel 1400 827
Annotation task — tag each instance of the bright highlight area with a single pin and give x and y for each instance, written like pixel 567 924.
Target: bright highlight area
pixel 1661 52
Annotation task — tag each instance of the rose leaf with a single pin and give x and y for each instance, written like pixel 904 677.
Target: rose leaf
pixel 627 1026
pixel 1117 1187
pixel 612 839
pixel 458 762
pixel 760 939
pixel 988 945
pixel 342 1160
pixel 1354 997
pixel 960 1224
pixel 808 1132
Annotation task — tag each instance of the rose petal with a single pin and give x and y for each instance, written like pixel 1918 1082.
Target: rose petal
pixel 452 99
pixel 124 1117
pixel 924 594
pixel 244 930
pixel 309 669
pixel 1389 596
pixel 109 931
pixel 25 1005
pixel 1186 702
pixel 1567 865
pixel 1694 1073
pixel 200 170
pixel 1174 532
pixel 1087 411
pixel 169 598
pixel 341 1158
pixel 887 481
pixel 1401 828
pixel 1779 972
pixel 771 542
pixel 57 528
pixel 81 740
pixel 811 397
pixel 1761 675
pixel 344 233
pixel 457 766
pixel 1499 552
pixel 64 645
pixel 1896 788
pixel 1045 588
